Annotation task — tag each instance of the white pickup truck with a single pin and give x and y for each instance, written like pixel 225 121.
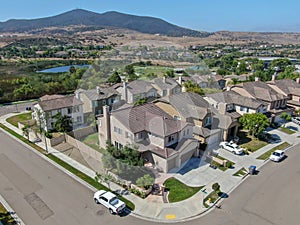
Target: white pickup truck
pixel 110 201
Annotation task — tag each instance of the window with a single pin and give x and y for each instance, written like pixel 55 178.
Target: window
pixel 76 109
pixel 188 131
pixel 171 138
pixel 79 119
pixel 207 121
pixel 164 93
pixel 127 134
pixel 118 130
pixel 69 110
pixel 100 123
pixel 103 102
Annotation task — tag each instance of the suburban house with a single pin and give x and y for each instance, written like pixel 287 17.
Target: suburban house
pixel 95 99
pixel 230 101
pixel 192 108
pixel 136 90
pixel 166 86
pixel 50 105
pixel 288 88
pixel 276 102
pixel 230 107
pixel 164 142
pixel 206 81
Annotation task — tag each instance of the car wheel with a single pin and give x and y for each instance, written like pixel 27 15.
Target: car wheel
pixel 111 211
pixel 234 152
pixel 96 200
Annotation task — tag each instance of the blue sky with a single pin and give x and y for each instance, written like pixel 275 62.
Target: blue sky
pixel 207 15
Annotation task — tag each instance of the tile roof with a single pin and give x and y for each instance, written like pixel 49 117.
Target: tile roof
pixel 93 95
pixel 165 85
pixel 139 86
pixel 232 97
pixel 49 97
pixel 59 103
pixel 261 90
pixel 188 104
pixel 288 86
pixel 148 117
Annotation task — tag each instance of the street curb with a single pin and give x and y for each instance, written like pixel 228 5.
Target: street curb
pixel 9 209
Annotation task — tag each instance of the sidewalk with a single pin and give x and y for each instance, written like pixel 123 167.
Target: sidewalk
pixel 204 175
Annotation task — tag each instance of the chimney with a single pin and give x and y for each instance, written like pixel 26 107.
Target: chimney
pixel 274 77
pixel 180 80
pixel 105 126
pixel 98 89
pixel 164 79
pixel 298 80
pixel 77 95
pixel 257 79
pixel 124 92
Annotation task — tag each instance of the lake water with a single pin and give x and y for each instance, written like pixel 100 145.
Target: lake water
pixel 62 69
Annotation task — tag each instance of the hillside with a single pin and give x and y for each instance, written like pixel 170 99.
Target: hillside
pixel 143 24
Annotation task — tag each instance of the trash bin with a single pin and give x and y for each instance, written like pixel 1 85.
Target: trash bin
pixel 252 170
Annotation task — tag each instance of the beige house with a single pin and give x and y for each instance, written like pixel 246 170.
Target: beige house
pixel 288 88
pixel 95 99
pixel 192 108
pixel 50 105
pixel 276 103
pixel 164 142
pixel 136 90
pixel 166 86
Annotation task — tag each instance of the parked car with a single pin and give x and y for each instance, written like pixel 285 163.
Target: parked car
pixel 110 201
pixel 232 147
pixel 277 155
pixel 296 120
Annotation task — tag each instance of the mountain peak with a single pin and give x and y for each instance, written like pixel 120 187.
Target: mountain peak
pixel 141 24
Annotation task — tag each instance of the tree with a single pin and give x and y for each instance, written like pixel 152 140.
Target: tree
pixel 62 123
pixel 145 181
pixel 1 92
pixel 255 123
pixel 25 130
pixel 216 187
pixel 286 117
pixel 193 87
pixel 114 78
pixel 129 69
pixel 141 101
pixel 72 69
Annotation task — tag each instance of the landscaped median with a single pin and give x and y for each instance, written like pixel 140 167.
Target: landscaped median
pixel 5 217
pixel 65 165
pixel 267 154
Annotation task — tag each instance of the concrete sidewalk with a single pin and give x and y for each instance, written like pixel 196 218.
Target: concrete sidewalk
pixel 203 175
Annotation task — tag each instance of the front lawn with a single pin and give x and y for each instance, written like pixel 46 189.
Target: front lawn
pixel 249 142
pixel 210 199
pixel 267 154
pixel 242 172
pixel 178 191
pixel 19 118
pixel 286 130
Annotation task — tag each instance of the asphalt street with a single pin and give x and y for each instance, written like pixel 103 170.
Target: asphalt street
pixel 42 194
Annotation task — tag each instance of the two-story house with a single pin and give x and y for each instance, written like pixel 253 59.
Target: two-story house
pixel 230 107
pixel 276 102
pixel 95 99
pixel 50 105
pixel 163 141
pixel 192 108
pixel 136 90
pixel 290 89
pixel 166 86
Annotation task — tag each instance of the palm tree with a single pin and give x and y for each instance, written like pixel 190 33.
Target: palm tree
pixel 286 117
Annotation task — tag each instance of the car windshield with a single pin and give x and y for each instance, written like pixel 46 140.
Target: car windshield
pixel 276 154
pixel 114 201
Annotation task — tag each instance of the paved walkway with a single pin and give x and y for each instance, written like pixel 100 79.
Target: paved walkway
pixel 195 173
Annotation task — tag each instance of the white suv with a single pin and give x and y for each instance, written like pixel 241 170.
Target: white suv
pixel 110 201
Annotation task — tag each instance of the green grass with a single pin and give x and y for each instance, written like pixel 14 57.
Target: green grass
pixel 242 172
pixel 92 141
pixel 286 130
pixel 250 143
pixel 179 191
pixel 5 217
pixel 19 118
pixel 73 170
pixel 160 71
pixel 213 196
pixel 267 154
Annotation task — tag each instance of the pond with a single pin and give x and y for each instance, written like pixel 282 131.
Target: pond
pixel 62 69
